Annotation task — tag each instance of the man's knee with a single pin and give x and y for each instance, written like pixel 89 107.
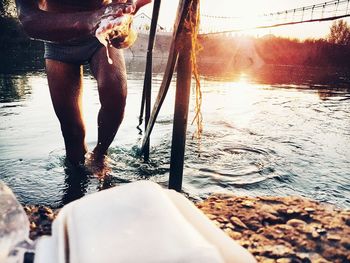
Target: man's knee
pixel 114 96
pixel 115 76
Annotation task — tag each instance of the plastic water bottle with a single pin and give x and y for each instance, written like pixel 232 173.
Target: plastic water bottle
pixel 14 228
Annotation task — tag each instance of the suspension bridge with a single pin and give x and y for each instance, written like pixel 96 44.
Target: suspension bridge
pixel 326 11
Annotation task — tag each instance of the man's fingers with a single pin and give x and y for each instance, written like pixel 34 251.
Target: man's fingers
pixel 119 12
pixel 115 23
pixel 109 25
pixel 130 9
pixel 112 13
pixel 113 8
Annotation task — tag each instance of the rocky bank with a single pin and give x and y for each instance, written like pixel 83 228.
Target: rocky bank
pixel 273 229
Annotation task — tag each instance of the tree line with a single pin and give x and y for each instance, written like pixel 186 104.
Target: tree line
pixel 333 49
pixel 339 33
pixel 7 8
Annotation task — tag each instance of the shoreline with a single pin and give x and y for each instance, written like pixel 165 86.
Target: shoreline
pixel 273 229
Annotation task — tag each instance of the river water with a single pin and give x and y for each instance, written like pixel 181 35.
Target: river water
pixel 282 131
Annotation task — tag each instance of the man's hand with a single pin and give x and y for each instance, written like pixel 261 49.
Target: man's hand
pixel 135 5
pixel 119 7
pixel 116 9
pixel 68 26
pixel 113 17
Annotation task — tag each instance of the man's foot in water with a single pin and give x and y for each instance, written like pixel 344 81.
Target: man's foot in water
pixel 77 169
pixel 97 165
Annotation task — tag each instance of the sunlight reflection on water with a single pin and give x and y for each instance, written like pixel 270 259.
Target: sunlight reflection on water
pixel 259 138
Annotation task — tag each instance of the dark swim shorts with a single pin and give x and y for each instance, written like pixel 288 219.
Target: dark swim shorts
pixel 74 53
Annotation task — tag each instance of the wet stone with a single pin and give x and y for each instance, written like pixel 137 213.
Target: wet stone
pixel 333 237
pixel 321 231
pixel 229 225
pixel 277 251
pixel 286 229
pixel 315 235
pixel 284 260
pixel 296 222
pixel 236 221
pixel 248 203
pixel 222 219
pixel 346 243
pixel 309 209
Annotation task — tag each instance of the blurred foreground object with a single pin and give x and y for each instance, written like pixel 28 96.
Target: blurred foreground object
pixel 137 222
pixel 14 227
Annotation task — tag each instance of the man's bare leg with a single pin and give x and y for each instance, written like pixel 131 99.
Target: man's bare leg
pixel 112 88
pixel 65 83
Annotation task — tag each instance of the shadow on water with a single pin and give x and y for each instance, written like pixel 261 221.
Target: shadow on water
pixel 22 57
pixel 76 182
pixel 13 88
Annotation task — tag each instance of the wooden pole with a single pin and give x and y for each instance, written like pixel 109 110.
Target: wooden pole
pixel 169 70
pixel 147 85
pixel 180 53
pixel 183 90
pixel 148 92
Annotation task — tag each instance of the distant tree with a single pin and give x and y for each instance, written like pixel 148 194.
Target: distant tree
pixel 339 33
pixel 7 8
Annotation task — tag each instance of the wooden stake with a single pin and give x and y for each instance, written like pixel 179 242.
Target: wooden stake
pixel 180 53
pixel 183 90
pixel 147 85
pixel 169 70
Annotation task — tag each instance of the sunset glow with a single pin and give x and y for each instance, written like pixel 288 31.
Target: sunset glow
pixel 230 117
pixel 249 14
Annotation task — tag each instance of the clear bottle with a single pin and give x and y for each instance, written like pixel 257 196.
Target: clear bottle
pixel 14 228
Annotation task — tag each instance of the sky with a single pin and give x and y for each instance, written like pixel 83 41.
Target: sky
pixel 248 10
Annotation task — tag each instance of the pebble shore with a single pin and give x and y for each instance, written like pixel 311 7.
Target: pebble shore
pixel 273 229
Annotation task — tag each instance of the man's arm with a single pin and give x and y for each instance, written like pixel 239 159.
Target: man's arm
pixel 58 27
pixel 61 27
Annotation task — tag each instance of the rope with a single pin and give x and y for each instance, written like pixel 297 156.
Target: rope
pixel 193 25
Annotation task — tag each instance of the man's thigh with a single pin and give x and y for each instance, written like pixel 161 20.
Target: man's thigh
pixel 111 78
pixel 103 71
pixel 65 84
